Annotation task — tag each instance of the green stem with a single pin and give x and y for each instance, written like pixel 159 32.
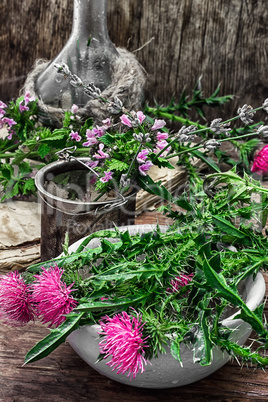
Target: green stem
pixel 99 196
pixel 132 162
pixel 182 120
pixel 202 145
pixel 7 156
pixel 172 117
pixel 14 146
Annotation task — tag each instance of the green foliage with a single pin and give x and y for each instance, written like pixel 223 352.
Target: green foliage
pixel 197 102
pixel 134 274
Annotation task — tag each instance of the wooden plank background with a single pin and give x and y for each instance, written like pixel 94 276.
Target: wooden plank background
pixel 224 41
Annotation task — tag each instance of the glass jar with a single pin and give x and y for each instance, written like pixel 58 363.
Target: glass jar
pixel 89 53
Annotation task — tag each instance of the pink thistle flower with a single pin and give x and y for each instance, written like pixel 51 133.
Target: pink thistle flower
pixel 124 343
pixel 158 124
pixel 101 154
pixel 108 176
pixel 142 155
pixel 179 282
pixel 126 120
pixel 16 308
pixel 141 116
pixel 52 296
pixel 161 136
pixel 260 163
pixel 75 136
pixel 145 167
pixel 74 108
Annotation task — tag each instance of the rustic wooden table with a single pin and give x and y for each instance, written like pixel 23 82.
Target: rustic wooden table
pixel 63 376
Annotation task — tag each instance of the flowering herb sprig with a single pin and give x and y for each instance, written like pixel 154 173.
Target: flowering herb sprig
pixel 115 145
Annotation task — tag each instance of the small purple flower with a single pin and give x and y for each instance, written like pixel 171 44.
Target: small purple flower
pixel 140 116
pixel 27 98
pixel 16 307
pixel 10 134
pixel 101 154
pixel 161 136
pixel 92 164
pixel 2 105
pixel 75 136
pixel 123 342
pixel 145 167
pixel 74 108
pixel 93 180
pixel 142 155
pixel 23 108
pixel 52 296
pixel 108 176
pixel 158 124
pixel 126 120
pixel 99 131
pixel 162 144
pixel 8 121
pixel 91 138
pixel 107 123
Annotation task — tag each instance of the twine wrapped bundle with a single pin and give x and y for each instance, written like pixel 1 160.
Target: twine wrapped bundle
pixel 128 81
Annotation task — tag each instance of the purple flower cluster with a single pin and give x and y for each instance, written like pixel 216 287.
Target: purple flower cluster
pixel 145 164
pixel 5 121
pixel 27 99
pixel 134 120
pixel 47 298
pixel 100 153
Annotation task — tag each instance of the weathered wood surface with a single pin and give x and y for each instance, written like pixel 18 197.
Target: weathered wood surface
pixel 224 41
pixel 63 376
